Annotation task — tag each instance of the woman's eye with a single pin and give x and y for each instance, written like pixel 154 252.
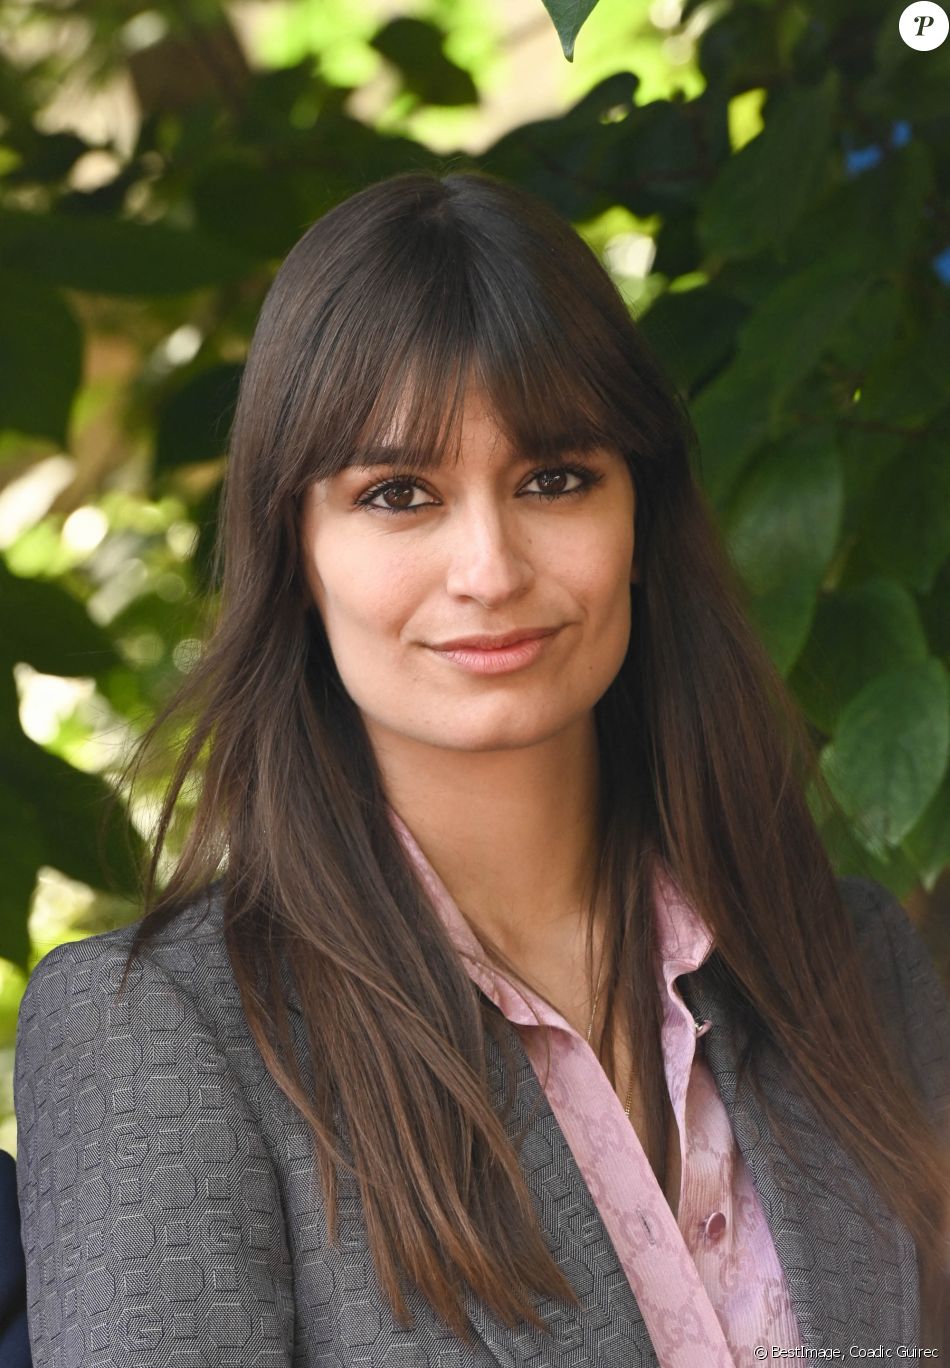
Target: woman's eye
pixel 554 482
pixel 397 496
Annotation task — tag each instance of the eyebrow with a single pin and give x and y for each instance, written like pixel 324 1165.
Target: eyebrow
pixel 397 455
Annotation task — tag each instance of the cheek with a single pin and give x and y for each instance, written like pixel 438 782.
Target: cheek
pixel 361 586
pixel 600 568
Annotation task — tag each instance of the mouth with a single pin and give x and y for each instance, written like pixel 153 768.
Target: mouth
pixel 487 642
pixel 511 651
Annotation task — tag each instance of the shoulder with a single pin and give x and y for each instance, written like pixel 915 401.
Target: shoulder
pixel 189 956
pixel 906 987
pixel 179 987
pixel 876 916
pixel 179 1014
pixel 892 948
pixel 173 1040
pixel 873 907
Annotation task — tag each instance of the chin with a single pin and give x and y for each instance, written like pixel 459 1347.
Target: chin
pixel 469 734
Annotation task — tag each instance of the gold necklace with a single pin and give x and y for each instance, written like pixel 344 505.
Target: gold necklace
pixel 590 1028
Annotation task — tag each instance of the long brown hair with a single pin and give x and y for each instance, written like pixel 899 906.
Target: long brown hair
pixel 400 296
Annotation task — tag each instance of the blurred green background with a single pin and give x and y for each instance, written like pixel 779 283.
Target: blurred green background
pixel 768 182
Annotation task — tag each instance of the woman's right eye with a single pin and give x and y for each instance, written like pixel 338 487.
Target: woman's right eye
pixel 399 492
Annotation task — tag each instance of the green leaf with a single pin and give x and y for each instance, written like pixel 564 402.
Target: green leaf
pixel 935 612
pixel 23 849
pixel 193 424
pixel 891 867
pixel 873 220
pixel 794 323
pixel 114 257
pixel 573 162
pixel 927 844
pixel 49 629
pixel 907 384
pixel 47 157
pixel 346 156
pixel 692 331
pixel 415 48
pixel 780 342
pixel 733 416
pixel 738 50
pixel 857 634
pixel 258 210
pixel 569 16
pixel 677 250
pixel 783 616
pixel 864 454
pixel 869 327
pixel 753 278
pixel 667 148
pixel 785 514
pixel 889 754
pixel 764 188
pixel 53 814
pixel 40 359
pixel 781 531
pixel 906 527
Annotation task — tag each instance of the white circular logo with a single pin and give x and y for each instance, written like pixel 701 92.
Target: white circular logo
pixel 924 26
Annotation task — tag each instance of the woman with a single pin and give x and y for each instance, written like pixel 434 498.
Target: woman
pixel 503 1006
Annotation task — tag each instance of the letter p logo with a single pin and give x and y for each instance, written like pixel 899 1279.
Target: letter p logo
pixel 924 26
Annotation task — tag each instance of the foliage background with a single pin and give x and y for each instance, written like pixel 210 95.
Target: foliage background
pixel 767 180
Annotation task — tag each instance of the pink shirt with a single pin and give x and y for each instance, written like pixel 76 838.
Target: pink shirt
pixel 707 1281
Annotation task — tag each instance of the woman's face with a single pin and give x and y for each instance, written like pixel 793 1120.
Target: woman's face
pixel 470 549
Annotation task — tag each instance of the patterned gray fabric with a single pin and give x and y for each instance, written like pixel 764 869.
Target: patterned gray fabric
pixel 172 1214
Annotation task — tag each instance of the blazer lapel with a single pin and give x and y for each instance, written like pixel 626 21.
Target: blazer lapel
pixel 608 1331
pixel 848 1284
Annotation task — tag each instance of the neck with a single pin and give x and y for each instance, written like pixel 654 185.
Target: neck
pixel 513 834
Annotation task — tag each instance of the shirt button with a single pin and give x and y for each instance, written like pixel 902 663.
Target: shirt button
pixel 714 1226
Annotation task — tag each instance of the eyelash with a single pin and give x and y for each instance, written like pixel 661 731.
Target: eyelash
pixel 588 479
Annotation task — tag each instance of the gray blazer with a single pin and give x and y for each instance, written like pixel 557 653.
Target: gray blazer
pixel 172 1215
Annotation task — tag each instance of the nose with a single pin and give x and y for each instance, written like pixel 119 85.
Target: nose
pixel 488 557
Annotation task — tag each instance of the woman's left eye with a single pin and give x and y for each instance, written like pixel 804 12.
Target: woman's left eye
pixel 552 481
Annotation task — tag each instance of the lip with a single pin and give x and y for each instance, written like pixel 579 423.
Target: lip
pixel 514 654
pixel 487 642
